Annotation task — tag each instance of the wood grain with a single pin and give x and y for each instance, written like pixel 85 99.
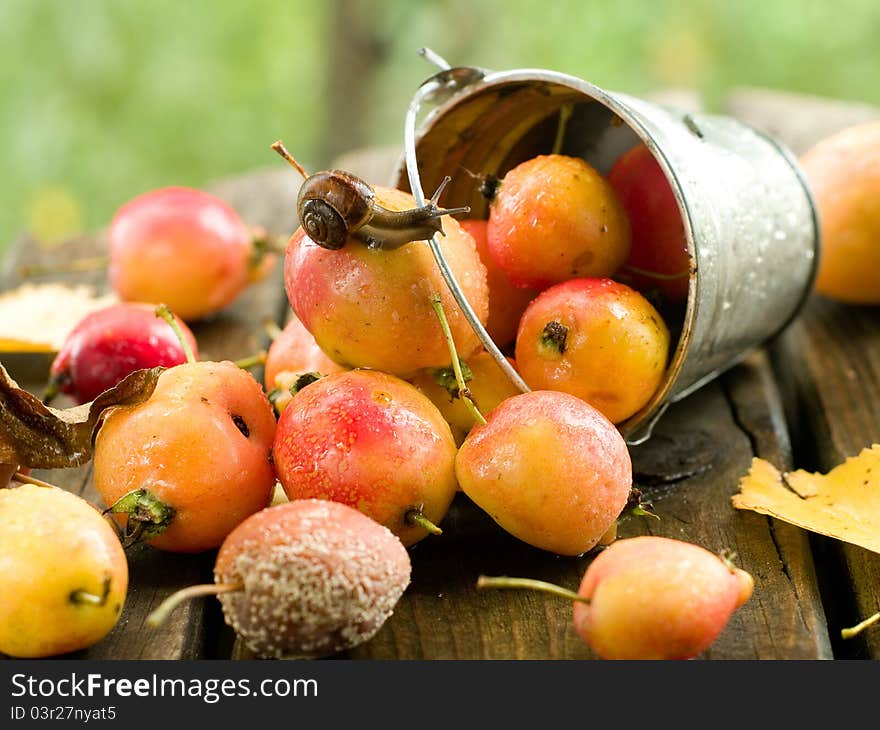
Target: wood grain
pixel 828 364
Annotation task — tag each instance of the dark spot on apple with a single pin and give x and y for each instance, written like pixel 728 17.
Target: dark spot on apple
pixel 241 425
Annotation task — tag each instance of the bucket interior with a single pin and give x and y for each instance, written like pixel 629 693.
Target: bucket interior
pixel 492 128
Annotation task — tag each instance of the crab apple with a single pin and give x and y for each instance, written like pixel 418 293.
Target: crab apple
pixel 305 579
pixel 372 441
pixel 659 256
pixel 185 467
pixel 597 339
pixel 549 468
pixel 184 247
pixel 506 301
pixel 63 573
pixel 487 383
pixel 843 171
pixel 554 218
pixel 109 344
pixel 657 598
pixel 372 308
pixel 649 598
pixel 293 353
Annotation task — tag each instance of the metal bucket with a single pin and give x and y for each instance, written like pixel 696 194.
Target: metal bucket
pixel 750 222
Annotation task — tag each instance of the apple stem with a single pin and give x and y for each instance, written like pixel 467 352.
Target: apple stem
pixel 184 594
pixel 554 337
pixel 51 392
pixel 270 326
pixel 82 596
pixel 264 243
pixel 163 312
pixel 463 391
pixel 85 264
pixel 282 150
pixel 148 516
pixel 417 517
pixel 485 581
pixel 27 479
pixel 564 115
pixel 858 628
pixel 637 505
pixel 246 363
pixel 654 274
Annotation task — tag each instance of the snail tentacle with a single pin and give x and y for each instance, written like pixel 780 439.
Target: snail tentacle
pixel 335 205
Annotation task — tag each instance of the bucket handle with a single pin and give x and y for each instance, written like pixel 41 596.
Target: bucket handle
pixel 436 89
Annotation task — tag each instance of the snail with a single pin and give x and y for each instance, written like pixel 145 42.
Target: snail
pixel 334 205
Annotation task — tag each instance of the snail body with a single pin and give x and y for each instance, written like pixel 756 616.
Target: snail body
pixel 334 205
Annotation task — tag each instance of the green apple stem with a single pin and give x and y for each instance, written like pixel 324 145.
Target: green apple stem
pixel 270 326
pixel 636 504
pixel 85 264
pixel 262 243
pixel 163 312
pixel 246 363
pixel 463 391
pixel 417 517
pixel 148 516
pixel 51 392
pixel 185 594
pixel 858 628
pixel 282 150
pixel 28 479
pixel 485 581
pixel 564 115
pixel 81 596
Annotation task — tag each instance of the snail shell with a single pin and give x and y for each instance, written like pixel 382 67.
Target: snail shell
pixel 335 205
pixel 332 205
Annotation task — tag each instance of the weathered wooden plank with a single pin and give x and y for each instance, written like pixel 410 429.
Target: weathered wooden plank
pixel 828 363
pixel 831 362
pixel 266 199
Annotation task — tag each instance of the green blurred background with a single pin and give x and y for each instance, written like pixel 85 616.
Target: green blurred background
pixel 103 99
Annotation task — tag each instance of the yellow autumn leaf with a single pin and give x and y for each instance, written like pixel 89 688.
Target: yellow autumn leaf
pixel 844 503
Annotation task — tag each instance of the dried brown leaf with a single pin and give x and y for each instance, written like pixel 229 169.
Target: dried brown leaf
pixel 41 437
pixel 844 503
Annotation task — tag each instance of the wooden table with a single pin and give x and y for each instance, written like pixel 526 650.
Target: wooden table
pixel 808 399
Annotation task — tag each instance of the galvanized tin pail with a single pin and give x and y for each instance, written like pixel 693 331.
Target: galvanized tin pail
pixel 750 222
